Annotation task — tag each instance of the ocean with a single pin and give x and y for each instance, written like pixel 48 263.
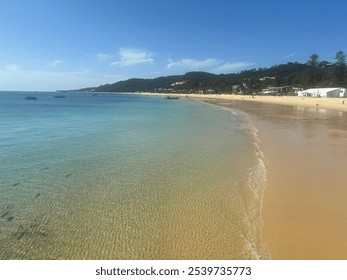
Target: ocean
pixel 121 176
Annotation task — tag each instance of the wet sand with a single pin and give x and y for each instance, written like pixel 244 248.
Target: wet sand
pixel 305 202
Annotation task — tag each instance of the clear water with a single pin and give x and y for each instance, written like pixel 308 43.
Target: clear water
pixel 126 177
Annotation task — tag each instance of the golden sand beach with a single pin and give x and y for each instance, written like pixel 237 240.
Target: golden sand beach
pixel 305 148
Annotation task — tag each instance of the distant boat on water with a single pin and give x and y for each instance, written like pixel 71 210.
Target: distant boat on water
pixel 29 97
pixel 59 96
pixel 171 97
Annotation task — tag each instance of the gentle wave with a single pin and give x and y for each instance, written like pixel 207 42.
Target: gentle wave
pixel 257 183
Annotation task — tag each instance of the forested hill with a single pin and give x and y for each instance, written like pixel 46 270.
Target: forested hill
pixel 313 74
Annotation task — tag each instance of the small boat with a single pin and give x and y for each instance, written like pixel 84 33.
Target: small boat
pixel 59 96
pixel 30 97
pixel 172 97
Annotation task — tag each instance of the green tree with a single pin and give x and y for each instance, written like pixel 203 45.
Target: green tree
pixel 340 58
pixel 314 60
pixel 339 69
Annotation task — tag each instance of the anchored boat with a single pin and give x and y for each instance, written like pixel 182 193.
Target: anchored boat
pixel 172 97
pixel 30 97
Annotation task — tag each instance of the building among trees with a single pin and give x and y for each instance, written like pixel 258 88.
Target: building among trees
pixel 323 92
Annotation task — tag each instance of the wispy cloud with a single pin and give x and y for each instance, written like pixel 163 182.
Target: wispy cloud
pixel 12 67
pixel 130 57
pixel 55 63
pixel 193 63
pixel 228 67
pixel 103 56
pixel 289 55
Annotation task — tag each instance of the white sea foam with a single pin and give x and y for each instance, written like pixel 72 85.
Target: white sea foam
pixel 257 183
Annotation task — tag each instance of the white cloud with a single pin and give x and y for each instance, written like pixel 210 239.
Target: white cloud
pixel 227 67
pixel 134 56
pixel 193 63
pixel 211 64
pixel 12 67
pixel 55 63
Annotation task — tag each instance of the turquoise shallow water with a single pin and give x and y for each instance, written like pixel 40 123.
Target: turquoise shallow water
pixel 126 177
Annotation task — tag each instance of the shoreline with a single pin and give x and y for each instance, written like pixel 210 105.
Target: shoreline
pixel 310 102
pixel 305 199
pixel 304 141
pixel 257 183
pixel 254 192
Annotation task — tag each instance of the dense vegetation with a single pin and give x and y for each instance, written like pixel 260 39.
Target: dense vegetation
pixel 314 73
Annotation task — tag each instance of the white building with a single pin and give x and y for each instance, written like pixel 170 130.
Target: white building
pixel 323 92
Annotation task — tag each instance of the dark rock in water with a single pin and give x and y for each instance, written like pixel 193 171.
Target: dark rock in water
pixel 15 184
pixel 34 225
pixel 9 219
pixel 32 229
pixel 46 168
pixel 68 175
pixel 3 215
pixel 21 232
pixel 37 195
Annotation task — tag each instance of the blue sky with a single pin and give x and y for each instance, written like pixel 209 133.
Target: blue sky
pixel 70 44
